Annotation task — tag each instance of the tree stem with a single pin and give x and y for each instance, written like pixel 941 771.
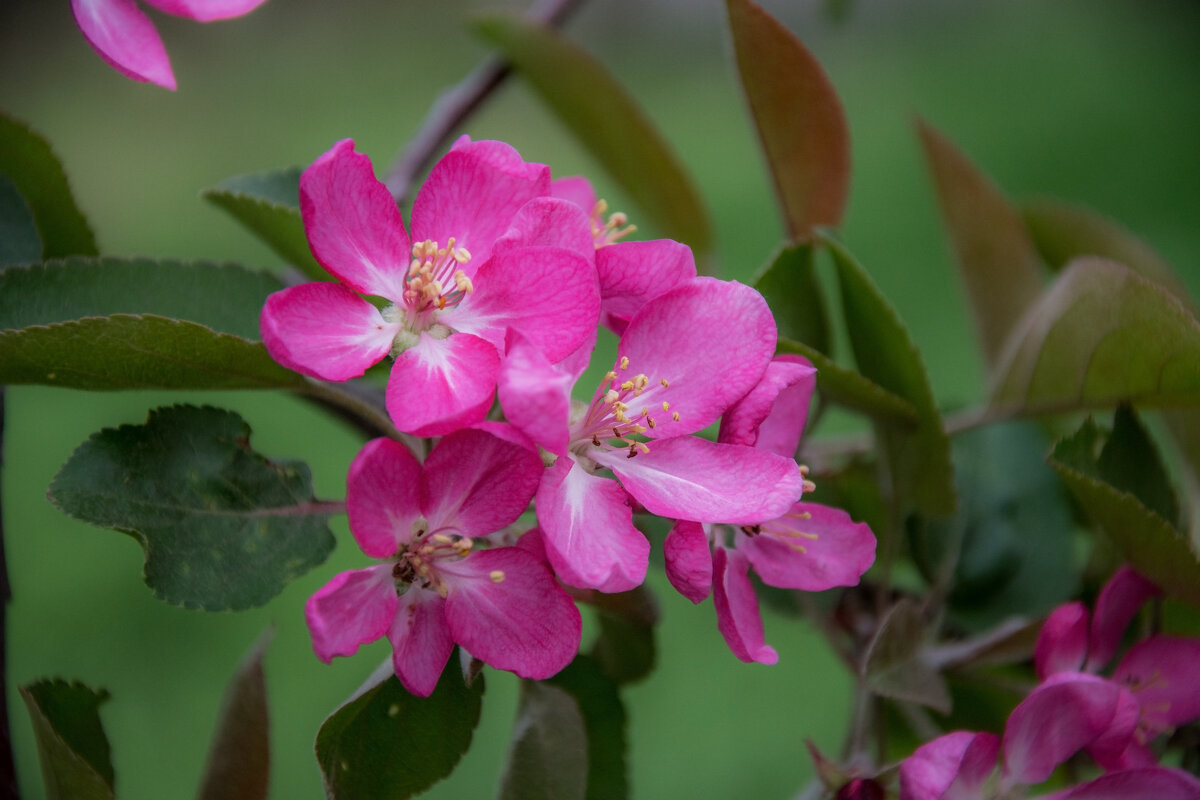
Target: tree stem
pixel 458 102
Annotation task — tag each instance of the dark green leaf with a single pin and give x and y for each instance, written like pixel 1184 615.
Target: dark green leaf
pixel 886 354
pixel 604 117
pixel 624 647
pixel 73 750
pixel 28 161
pixel 125 324
pixel 1010 546
pixel 547 759
pixel 1101 335
pixel 893 666
pixel 386 744
pixel 1146 540
pixel 1130 462
pixel 19 239
pixel 604 720
pixel 1064 232
pixel 798 116
pixel 223 528
pixel 847 388
pixel 268 204
pixel 996 257
pixel 789 283
pixel 239 757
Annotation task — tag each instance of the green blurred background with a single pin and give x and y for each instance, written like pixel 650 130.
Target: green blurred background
pixel 1096 101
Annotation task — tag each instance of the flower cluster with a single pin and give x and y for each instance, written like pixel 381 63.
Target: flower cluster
pixel 496 295
pixel 1115 720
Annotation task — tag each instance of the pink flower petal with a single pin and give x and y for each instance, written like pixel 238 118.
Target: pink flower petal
pixel 1119 602
pixel 507 610
pixel 383 497
pixel 1117 747
pixel 689 562
pixel 535 394
pixel 548 294
pixel 929 771
pixel 692 478
pixel 773 414
pixel 587 528
pixel 1062 642
pixel 325 330
pixel 710 340
pixel 442 385
pixel 1161 672
pixel 476 483
pixel 634 273
pixel 737 608
pixel 816 553
pixel 421 642
pixel 354 226
pixel 549 222
pixel 1160 783
pixel 125 38
pixel 473 193
pixel 575 189
pixel 1058 718
pixel 207 10
pixel 354 608
pixel 977 765
pixel 531 542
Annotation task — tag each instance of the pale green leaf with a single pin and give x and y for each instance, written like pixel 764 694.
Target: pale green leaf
pixel 72 748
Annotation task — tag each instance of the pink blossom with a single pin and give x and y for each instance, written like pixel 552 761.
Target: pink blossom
pixel 685 357
pixel 127 39
pixel 1158 672
pixel 630 273
pixel 434 587
pixel 809 547
pixel 490 252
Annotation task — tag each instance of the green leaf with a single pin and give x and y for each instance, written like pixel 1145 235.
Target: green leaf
pixel 789 284
pixel 223 528
pixel 996 257
pixel 893 666
pixel 1102 335
pixel 1010 546
pixel 606 119
pixel 268 204
pixel 624 647
pixel 1130 462
pixel 604 721
pixel 886 354
pixel 28 161
pixel 1064 232
pixel 1146 540
pixel 547 759
pixel 847 388
pixel 239 757
pixel 73 750
pixel 799 119
pixel 385 744
pixel 126 324
pixel 19 239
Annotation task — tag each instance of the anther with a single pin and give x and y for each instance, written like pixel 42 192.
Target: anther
pixel 666 406
pixel 442 538
pixel 632 451
pixel 664 383
pixel 624 362
pixel 675 416
pixel 650 421
pixel 596 440
pixel 809 486
pixel 496 575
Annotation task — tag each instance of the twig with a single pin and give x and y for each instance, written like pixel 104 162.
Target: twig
pixel 8 770
pixel 461 100
pixel 363 407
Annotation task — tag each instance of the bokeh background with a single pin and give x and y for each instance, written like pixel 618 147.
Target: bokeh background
pixel 1095 101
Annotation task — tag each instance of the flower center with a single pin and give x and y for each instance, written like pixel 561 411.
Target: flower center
pixel 606 232
pixel 626 410
pixel 432 273
pixel 415 563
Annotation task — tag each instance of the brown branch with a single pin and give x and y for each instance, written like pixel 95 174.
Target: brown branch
pixel 457 103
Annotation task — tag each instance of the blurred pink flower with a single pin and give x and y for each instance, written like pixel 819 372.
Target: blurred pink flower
pixel 433 589
pixel 127 39
pixel 492 252
pixel 809 547
pixel 684 358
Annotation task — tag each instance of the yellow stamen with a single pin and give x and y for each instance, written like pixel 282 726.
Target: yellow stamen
pixel 497 576
pixel 675 416
pixel 624 362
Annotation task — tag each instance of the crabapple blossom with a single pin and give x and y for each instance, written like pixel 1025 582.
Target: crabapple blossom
pixel 127 39
pixel 685 357
pixel 490 252
pixel 434 587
